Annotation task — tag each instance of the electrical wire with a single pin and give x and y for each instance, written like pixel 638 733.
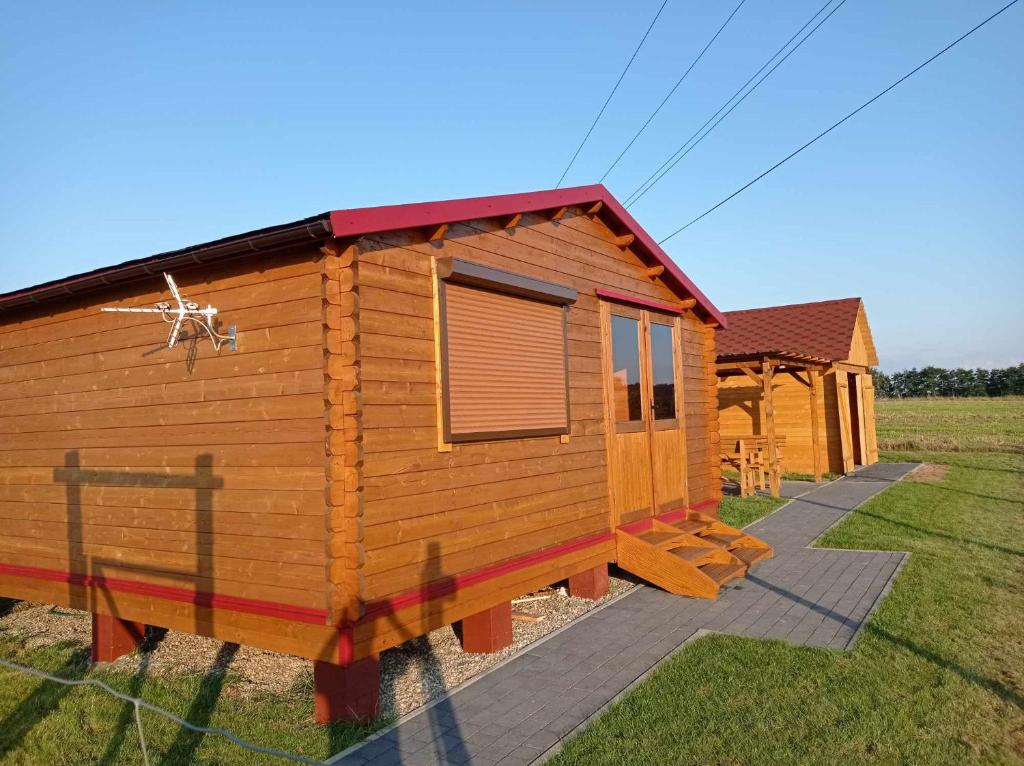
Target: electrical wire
pixel 608 100
pixel 673 90
pixel 682 151
pixel 835 125
pixel 141 703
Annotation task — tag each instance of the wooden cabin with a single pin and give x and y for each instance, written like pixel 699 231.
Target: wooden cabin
pixel 801 374
pixel 423 412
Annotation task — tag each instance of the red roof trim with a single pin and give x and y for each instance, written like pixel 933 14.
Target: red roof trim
pixel 367 220
pixel 621 298
pixel 661 256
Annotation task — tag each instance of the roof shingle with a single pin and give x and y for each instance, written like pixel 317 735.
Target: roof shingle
pixel 823 329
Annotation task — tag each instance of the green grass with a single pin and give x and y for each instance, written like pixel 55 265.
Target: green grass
pixel 46 723
pixel 937 676
pixel 740 511
pixel 809 476
pixel 951 425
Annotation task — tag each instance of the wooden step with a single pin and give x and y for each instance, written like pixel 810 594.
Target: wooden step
pixel 725 539
pixel 663 540
pixel 750 556
pixel 722 573
pixel 660 567
pixel 690 526
pixel 695 555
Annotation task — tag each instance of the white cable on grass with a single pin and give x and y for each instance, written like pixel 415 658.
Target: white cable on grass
pixel 141 703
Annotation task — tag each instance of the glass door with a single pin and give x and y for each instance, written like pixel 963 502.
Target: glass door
pixel 644 395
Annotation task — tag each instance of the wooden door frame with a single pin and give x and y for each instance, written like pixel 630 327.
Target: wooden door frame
pixel 677 423
pixel 607 311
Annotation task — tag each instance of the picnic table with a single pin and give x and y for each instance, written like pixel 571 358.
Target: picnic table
pixel 749 455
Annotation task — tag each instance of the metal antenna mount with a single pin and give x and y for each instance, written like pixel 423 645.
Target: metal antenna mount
pixel 186 311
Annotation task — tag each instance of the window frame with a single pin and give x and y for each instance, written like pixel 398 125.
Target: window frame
pixel 490 279
pixel 663 424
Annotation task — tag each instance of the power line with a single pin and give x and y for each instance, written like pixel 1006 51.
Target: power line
pixel 835 125
pixel 674 87
pixel 607 100
pixel 690 144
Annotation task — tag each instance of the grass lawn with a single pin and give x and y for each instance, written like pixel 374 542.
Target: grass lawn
pixel 740 511
pixel 46 723
pixel 937 676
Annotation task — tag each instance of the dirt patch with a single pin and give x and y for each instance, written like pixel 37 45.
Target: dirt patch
pixel 929 472
pixel 411 674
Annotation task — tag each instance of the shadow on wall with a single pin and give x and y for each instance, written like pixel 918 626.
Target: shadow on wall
pixel 86 569
pixel 747 399
pixel 437 590
pixel 91 569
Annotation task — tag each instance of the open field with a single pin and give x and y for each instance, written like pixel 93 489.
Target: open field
pixel 951 425
pixel 938 674
pixel 935 678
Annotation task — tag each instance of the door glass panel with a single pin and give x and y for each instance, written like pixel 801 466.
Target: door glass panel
pixel 626 369
pixel 663 372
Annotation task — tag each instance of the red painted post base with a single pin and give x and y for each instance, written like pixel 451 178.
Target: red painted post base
pixel 591 584
pixel 488 631
pixel 346 692
pixel 113 637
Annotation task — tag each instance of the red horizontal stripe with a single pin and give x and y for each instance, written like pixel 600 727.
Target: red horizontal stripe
pixel 374 610
pixel 637 526
pixel 450 585
pixel 668 517
pixel 170 593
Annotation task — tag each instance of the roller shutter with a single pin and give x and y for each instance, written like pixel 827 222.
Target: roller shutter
pixel 505 365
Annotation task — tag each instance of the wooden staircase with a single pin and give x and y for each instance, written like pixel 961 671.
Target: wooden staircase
pixel 692 557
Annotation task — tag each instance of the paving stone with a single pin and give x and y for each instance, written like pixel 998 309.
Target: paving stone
pixel 806 596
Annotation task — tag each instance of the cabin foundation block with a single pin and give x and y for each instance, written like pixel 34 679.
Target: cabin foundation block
pixel 591 584
pixel 346 692
pixel 488 631
pixel 113 637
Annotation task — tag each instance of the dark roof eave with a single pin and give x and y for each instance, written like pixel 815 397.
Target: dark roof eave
pixel 757 356
pixel 360 221
pixel 255 242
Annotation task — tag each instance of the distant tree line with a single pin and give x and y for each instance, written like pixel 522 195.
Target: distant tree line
pixel 937 381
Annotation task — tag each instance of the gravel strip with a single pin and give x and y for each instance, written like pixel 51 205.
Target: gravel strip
pixel 411 674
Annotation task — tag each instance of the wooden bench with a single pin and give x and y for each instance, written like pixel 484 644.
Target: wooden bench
pixel 749 457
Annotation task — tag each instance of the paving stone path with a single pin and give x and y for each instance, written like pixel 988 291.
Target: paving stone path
pixel 522 711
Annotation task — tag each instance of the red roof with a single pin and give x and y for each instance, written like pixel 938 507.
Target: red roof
pixel 358 221
pixel 822 330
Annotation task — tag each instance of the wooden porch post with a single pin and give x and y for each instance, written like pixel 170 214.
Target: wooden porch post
pixel 861 429
pixel 846 437
pixel 814 378
pixel 871 450
pixel 774 469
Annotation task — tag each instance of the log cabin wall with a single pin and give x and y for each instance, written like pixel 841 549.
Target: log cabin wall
pixel 832 443
pixel 119 466
pixel 741 413
pixel 701 411
pixel 440 522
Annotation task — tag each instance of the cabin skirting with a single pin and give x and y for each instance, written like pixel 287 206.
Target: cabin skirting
pixel 382 625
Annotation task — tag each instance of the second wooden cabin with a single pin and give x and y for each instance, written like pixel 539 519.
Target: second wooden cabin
pixel 432 409
pixel 802 374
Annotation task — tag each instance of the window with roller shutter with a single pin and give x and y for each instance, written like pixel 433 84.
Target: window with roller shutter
pixel 504 353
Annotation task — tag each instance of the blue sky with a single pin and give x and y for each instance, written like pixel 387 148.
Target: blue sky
pixel 131 129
